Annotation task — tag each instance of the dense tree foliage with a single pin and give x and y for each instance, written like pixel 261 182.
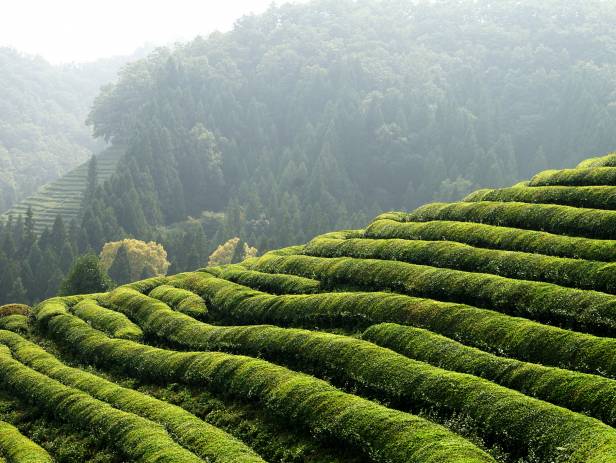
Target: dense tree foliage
pixel 42 113
pixel 315 116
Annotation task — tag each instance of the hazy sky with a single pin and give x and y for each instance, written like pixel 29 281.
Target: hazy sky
pixel 83 30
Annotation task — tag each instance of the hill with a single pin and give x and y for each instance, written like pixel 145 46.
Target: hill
pixel 317 116
pixel 43 109
pixel 64 196
pixel 473 331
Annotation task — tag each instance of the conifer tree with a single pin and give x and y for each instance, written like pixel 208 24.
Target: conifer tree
pixel 120 270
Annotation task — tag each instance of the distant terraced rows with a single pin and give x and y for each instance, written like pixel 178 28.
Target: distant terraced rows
pixel 476 331
pixel 63 196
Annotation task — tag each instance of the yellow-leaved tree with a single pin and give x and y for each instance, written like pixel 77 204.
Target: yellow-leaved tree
pixel 231 252
pixel 131 260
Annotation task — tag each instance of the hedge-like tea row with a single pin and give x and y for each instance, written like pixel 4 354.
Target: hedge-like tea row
pixel 147 285
pixel 203 439
pixel 136 437
pixel 609 160
pixel 575 273
pixel 586 310
pixel 593 176
pixel 181 300
pixel 269 282
pixel 113 323
pixel 493 237
pixel 14 309
pixel 390 374
pixel 562 220
pixel 17 323
pixel 484 329
pixel 384 434
pixel 596 197
pixel 590 394
pixel 17 448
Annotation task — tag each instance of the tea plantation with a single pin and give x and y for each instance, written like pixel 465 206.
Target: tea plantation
pixel 476 331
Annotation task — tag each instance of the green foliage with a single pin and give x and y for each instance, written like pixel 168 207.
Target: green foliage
pixel 86 276
pixel 608 160
pixel 17 323
pixel 586 310
pixel 575 273
pixel 108 321
pixel 18 448
pixel 596 197
pixel 564 220
pixel 273 283
pixel 575 177
pixel 381 370
pixel 136 437
pixel 393 225
pixel 589 394
pixel 382 433
pixel 180 300
pixel 119 271
pixel 201 438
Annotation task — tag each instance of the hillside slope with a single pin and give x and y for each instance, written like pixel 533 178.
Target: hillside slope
pixel 64 196
pixel 475 331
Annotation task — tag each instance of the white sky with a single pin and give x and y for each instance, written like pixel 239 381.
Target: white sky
pixel 83 30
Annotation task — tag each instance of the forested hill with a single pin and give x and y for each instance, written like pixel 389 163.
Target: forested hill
pixel 42 119
pixel 316 116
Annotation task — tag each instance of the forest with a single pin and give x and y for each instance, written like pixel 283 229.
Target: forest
pixel 317 116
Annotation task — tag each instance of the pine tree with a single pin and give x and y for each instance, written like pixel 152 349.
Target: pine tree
pixel 86 276
pixel 120 270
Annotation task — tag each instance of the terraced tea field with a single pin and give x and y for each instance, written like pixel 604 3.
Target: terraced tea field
pixel 63 196
pixel 476 331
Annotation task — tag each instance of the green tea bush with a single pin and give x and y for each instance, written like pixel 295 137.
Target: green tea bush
pixel 359 362
pixel 17 323
pixel 493 237
pixel 269 282
pixel 18 448
pixel 581 176
pixel 590 394
pixel 485 329
pixel 112 323
pixel 384 434
pixel 596 197
pixel 181 300
pixel 203 439
pixel 14 309
pixel 609 160
pixel 562 220
pixel 576 273
pixel 587 310
pixel 136 437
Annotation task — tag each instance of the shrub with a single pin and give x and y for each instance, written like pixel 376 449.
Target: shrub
pixel 18 448
pixel 485 329
pixel 17 323
pixel 14 309
pixel 581 392
pixel 407 383
pixel 588 310
pixel 181 300
pixel 575 177
pixel 136 437
pixel 494 237
pixel 385 435
pixel 576 273
pixel 564 220
pixel 113 323
pixel 270 282
pixel 608 160
pixel 205 440
pixel 596 197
